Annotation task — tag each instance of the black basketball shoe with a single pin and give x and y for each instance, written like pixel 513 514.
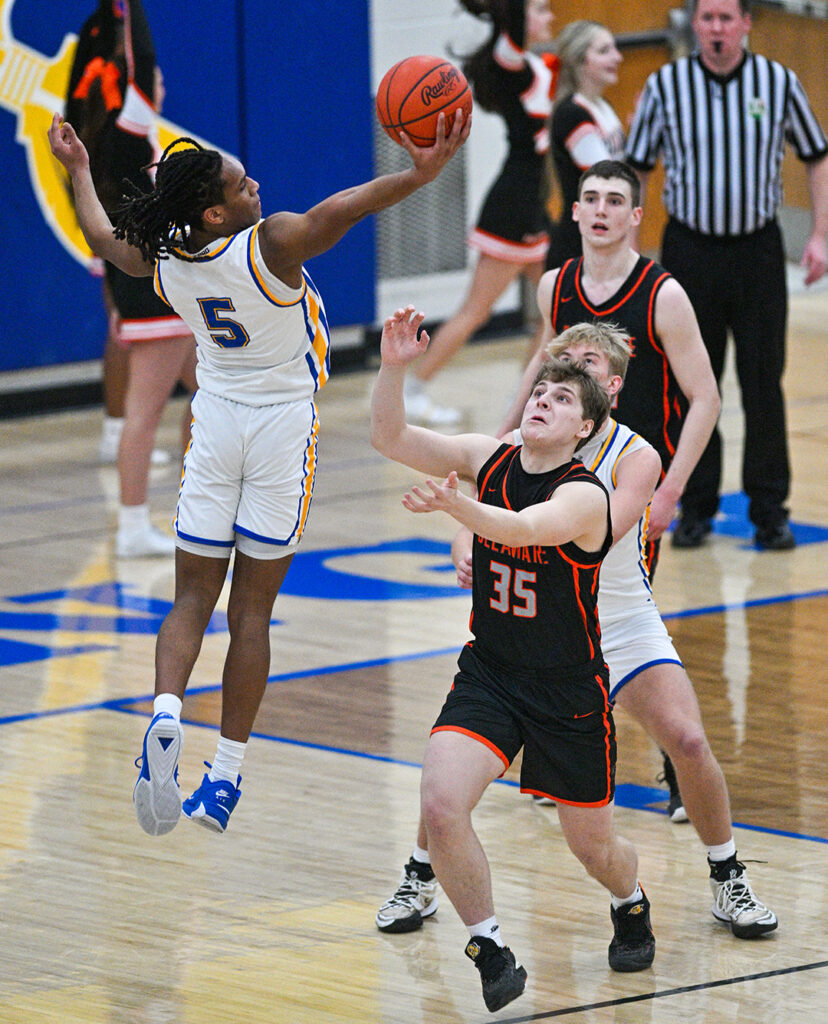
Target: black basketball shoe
pixel 633 945
pixel 503 978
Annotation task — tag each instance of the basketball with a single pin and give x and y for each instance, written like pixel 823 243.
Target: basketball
pixel 415 91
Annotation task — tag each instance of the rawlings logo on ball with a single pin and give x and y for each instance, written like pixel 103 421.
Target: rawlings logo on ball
pixel 449 80
pixel 415 93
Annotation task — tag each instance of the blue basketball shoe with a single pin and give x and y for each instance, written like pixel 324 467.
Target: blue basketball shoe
pixel 157 796
pixel 212 803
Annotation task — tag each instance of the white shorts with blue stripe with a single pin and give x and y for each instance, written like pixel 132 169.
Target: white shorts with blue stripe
pixel 633 641
pixel 248 477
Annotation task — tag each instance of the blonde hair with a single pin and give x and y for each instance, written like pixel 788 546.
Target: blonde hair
pixel 604 336
pixel 571 45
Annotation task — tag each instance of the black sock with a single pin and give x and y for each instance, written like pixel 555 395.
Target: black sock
pixel 423 871
pixel 722 870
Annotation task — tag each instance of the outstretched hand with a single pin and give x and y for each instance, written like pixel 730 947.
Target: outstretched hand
pixel 66 147
pixel 430 160
pixel 401 343
pixel 443 497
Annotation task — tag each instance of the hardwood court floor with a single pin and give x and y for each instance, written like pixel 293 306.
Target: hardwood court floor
pixel 273 922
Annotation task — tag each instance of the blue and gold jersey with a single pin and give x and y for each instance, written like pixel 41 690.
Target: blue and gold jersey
pixel 260 342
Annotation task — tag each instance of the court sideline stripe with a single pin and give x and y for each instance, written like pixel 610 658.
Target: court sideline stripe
pixel 126 706
pixel 702 986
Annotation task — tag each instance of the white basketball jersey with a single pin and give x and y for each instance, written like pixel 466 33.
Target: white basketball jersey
pixel 260 342
pixel 624 581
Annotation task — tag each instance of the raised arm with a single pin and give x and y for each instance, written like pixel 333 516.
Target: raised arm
pixel 289 239
pixel 636 476
pixel 546 287
pixel 676 325
pixel 94 223
pixel 421 449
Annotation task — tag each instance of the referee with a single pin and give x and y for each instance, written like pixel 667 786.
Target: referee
pixel 720 119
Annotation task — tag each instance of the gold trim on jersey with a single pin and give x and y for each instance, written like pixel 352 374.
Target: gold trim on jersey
pixel 202 256
pixel 259 281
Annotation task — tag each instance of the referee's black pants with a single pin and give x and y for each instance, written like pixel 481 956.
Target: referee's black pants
pixel 739 283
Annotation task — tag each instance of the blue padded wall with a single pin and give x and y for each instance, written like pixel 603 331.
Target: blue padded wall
pixel 285 90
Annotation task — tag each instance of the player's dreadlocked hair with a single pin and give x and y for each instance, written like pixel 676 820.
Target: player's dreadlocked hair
pixel 187 182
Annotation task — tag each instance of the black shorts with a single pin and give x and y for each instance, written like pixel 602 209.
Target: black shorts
pixel 143 315
pixel 563 723
pixel 513 222
pixel 134 297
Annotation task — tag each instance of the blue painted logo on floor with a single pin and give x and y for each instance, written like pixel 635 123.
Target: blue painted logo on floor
pixel 411 569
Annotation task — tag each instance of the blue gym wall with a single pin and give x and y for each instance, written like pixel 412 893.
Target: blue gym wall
pixel 291 100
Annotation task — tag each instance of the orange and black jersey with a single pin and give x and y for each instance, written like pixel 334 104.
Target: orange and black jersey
pixel 651 402
pixel 534 608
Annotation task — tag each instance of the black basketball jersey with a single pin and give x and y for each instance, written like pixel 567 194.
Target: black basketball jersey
pixel 651 402
pixel 534 608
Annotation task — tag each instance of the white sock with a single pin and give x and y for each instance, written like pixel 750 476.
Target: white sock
pixel 421 855
pixel 113 427
pixel 133 518
pixel 228 760
pixel 634 898
pixel 167 702
pixel 488 929
pixel 723 851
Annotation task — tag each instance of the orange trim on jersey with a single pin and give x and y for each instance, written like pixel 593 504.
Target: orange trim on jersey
pixel 509 450
pixel 578 469
pixel 620 302
pixel 576 572
pixel 556 295
pixel 474 736
pixel 665 364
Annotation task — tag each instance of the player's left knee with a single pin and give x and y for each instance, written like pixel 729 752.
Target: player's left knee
pixel 690 747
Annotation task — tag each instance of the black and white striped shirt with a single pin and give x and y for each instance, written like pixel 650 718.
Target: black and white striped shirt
pixel 722 140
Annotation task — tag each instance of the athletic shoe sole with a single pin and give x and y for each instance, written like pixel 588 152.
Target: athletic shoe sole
pixel 158 798
pixel 398 925
pixel 200 817
pixel 505 989
pixel 627 961
pixel 753 930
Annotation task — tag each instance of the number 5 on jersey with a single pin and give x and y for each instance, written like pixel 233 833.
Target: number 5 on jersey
pixel 513 596
pixel 225 332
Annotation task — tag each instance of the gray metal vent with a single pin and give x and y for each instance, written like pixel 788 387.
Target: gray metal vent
pixel 426 233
